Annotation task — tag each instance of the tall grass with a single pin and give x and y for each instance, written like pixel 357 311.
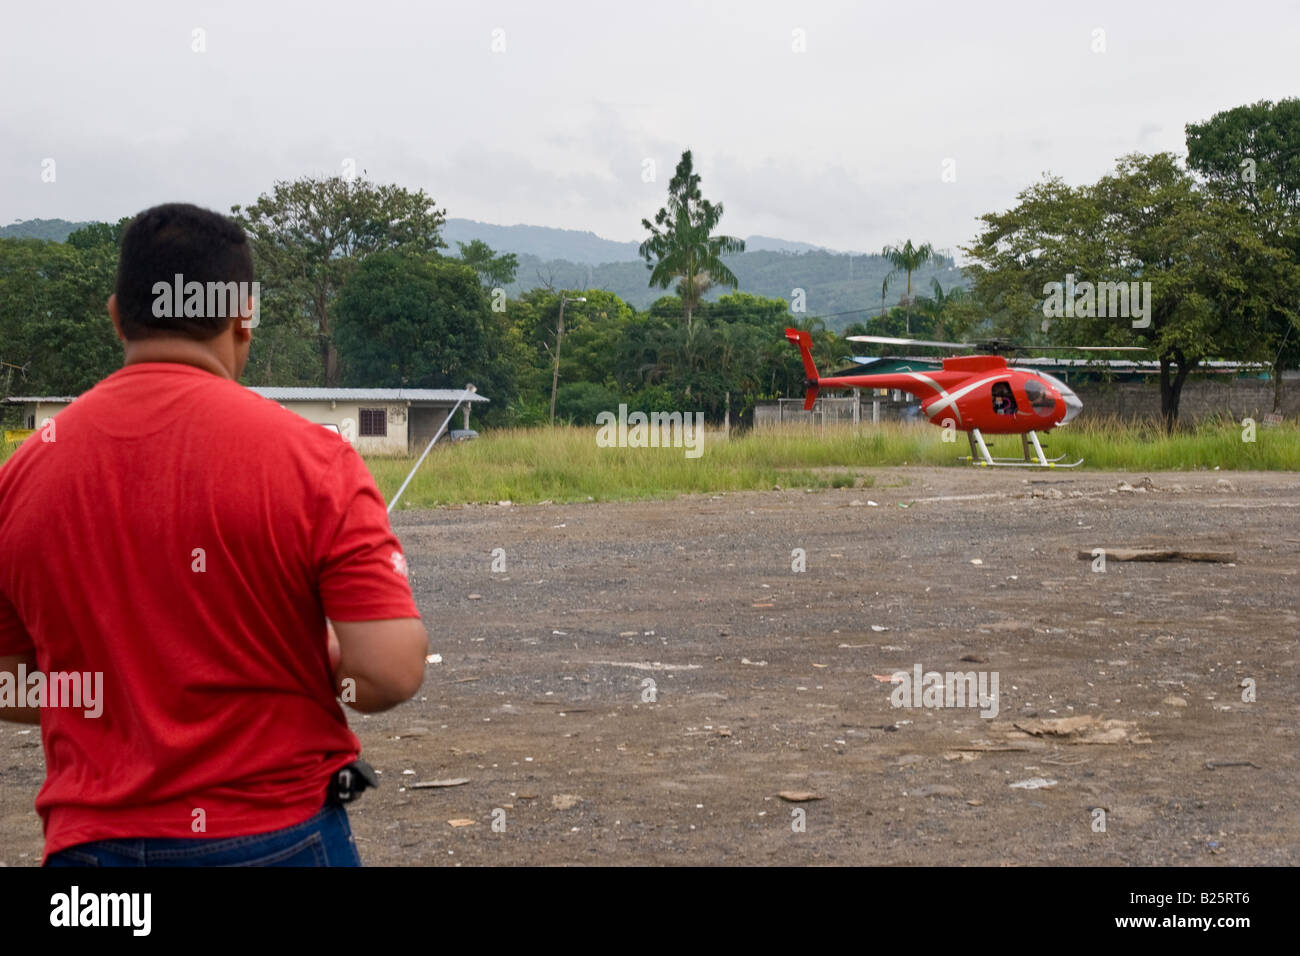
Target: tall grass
pixel 565 464
pixel 1115 445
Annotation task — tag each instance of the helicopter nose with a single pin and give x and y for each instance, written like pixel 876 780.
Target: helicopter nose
pixel 1072 405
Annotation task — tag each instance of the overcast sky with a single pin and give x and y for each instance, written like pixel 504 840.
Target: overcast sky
pixel 842 144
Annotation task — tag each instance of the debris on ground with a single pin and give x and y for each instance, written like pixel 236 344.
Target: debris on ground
pixel 427 784
pixel 1161 554
pixel 1083 730
pixel 935 790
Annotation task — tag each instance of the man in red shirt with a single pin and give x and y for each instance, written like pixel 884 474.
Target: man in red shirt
pixel 189 576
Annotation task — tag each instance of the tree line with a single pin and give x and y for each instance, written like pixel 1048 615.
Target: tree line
pixel 360 289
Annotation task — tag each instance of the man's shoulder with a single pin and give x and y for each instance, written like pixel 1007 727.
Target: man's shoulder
pixel 269 420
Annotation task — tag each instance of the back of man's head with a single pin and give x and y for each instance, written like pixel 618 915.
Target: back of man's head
pixel 199 246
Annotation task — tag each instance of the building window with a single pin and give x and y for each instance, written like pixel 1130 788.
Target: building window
pixel 374 422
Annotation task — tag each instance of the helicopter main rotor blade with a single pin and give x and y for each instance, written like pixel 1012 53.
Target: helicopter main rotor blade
pixel 1081 348
pixel 886 340
pixel 993 345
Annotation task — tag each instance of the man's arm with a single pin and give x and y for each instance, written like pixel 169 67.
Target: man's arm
pixel 9 674
pixel 380 664
pixel 364 591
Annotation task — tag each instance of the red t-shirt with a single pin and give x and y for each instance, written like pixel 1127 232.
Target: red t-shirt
pixel 186 539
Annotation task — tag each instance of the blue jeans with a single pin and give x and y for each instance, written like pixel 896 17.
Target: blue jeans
pixel 324 840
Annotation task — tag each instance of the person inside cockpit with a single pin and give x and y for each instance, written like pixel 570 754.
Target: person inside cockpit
pixel 1004 403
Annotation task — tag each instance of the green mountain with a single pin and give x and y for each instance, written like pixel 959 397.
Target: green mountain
pixel 542 242
pixel 54 230
pixel 573 245
pixel 844 286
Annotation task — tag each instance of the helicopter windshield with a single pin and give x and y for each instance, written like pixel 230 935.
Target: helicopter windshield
pixel 1072 404
pixel 1041 399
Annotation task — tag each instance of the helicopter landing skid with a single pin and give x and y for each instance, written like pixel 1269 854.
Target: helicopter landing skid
pixel 1034 456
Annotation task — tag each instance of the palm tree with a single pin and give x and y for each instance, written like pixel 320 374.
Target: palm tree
pixel 884 291
pixel 908 258
pixel 681 245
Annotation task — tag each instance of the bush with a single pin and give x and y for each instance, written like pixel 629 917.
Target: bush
pixel 581 402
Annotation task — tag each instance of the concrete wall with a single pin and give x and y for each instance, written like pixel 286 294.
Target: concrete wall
pixel 35 413
pixel 347 416
pixel 1236 398
pixel 425 422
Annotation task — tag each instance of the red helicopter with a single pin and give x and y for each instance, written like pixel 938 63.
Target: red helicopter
pixel 976 394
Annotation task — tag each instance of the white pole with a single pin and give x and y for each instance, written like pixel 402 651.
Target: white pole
pixel 469 390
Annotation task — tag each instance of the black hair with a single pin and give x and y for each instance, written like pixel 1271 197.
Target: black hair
pixel 178 239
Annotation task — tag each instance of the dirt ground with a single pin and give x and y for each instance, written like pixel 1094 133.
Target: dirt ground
pixel 766 680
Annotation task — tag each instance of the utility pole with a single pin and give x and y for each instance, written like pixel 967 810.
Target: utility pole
pixel 559 337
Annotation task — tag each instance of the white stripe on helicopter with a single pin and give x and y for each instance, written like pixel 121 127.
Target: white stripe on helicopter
pixel 961 393
pixel 937 387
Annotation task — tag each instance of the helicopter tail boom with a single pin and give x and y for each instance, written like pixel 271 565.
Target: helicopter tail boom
pixel 803 341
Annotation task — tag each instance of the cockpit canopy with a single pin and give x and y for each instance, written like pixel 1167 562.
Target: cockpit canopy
pixel 1072 404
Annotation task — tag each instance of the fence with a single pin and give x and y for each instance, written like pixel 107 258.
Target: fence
pixel 830 410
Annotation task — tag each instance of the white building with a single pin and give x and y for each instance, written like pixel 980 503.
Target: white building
pixel 378 421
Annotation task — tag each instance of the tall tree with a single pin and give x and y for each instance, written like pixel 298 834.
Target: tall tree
pixel 1211 277
pixel 496 270
pixel 54 323
pixel 682 246
pixel 419 322
pixel 310 234
pixel 99 234
pixel 1250 156
pixel 411 320
pixel 908 258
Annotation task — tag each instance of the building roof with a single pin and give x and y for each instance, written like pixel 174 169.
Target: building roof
pixel 450 395
pixel 443 395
